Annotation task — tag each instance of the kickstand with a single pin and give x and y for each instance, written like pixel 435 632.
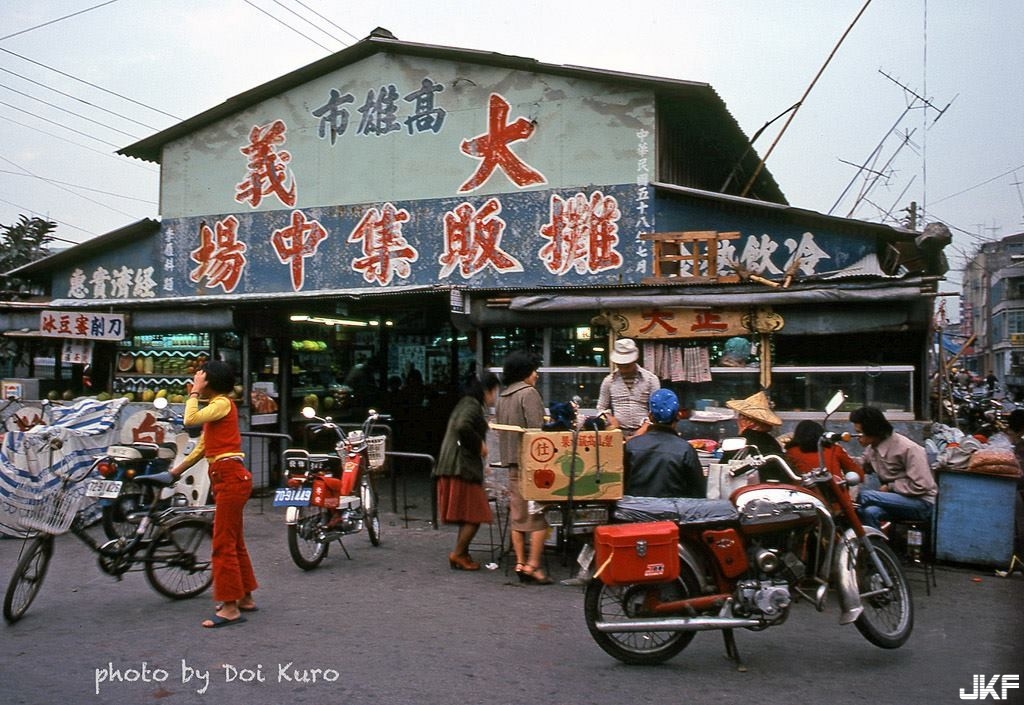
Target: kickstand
pixel 342 544
pixel 732 651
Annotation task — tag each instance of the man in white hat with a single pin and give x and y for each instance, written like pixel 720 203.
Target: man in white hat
pixel 627 391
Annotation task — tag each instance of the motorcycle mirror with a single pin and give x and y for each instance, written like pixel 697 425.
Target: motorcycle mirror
pixel 835 402
pixel 308 411
pixel 852 479
pixel 730 444
pixel 160 403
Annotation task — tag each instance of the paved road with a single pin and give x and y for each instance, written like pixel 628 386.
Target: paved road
pixel 395 626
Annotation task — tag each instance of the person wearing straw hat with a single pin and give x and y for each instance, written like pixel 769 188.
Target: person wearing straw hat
pixel 755 420
pixel 627 391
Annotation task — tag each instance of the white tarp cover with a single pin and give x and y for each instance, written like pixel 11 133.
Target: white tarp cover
pixel 33 462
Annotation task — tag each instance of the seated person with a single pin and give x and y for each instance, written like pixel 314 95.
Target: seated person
pixel 802 452
pixel 657 462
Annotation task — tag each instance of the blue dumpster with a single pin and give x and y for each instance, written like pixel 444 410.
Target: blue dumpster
pixel 974 518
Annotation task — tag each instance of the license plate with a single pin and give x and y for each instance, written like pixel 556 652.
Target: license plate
pixel 105 489
pixel 292 497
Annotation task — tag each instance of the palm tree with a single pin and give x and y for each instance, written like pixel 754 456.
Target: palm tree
pixel 21 244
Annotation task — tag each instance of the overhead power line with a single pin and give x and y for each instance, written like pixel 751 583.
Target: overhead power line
pixel 53 122
pixel 309 22
pixel 73 193
pixel 70 112
pixel 79 186
pixel 110 155
pixel 327 20
pixel 92 85
pixel 280 21
pixel 59 19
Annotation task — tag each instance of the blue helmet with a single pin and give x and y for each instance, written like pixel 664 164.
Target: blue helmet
pixel 664 406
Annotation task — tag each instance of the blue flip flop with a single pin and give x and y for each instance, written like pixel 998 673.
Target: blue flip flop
pixel 216 622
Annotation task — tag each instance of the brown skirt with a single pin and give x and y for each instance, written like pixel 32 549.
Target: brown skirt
pixel 461 502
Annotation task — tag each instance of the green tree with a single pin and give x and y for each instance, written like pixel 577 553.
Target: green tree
pixel 21 244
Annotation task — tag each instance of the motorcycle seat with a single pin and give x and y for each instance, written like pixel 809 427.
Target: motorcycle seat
pixel 681 510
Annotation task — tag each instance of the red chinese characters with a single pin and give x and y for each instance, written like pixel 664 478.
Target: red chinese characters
pixel 148 431
pixel 220 256
pixel 386 253
pixel 268 173
pixel 491 148
pixel 583 234
pixel 472 241
pixel 297 242
pixel 655 317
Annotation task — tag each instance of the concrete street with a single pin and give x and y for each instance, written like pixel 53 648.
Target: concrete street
pixel 395 626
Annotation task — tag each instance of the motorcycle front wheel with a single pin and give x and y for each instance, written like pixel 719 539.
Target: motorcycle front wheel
pixel 368 496
pixel 28 577
pixel 178 561
pixel 621 603
pixel 115 516
pixel 306 549
pixel 888 616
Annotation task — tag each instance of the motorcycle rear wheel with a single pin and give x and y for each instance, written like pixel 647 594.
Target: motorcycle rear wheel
pixel 619 603
pixel 888 618
pixel 115 517
pixel 179 561
pixel 28 577
pixel 306 549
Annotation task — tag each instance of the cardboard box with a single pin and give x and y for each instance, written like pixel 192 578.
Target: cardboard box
pixel 637 553
pixel 546 459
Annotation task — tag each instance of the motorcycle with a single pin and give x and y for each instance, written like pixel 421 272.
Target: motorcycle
pixel 742 562
pixel 330 496
pixel 123 500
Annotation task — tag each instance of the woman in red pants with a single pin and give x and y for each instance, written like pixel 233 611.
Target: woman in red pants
pixel 231 483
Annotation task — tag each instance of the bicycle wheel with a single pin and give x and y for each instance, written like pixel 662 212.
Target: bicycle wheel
pixel 28 577
pixel 368 496
pixel 304 542
pixel 178 558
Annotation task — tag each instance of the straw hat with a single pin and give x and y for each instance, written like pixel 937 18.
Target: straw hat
pixel 625 351
pixel 755 407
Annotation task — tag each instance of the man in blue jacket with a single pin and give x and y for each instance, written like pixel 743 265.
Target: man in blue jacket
pixel 658 463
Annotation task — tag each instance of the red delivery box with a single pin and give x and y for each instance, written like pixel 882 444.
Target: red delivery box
pixel 637 553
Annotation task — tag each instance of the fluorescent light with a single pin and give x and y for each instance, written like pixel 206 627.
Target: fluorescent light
pixel 330 321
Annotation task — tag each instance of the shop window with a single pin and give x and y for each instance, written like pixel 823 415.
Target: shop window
pixel 687 257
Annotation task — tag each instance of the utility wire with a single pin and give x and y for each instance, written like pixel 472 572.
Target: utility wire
pixel 59 222
pixel 79 186
pixel 73 193
pixel 327 20
pixel 80 100
pixel 92 85
pixel 44 24
pixel 70 112
pixel 309 22
pixel 133 162
pixel 279 20
pixel 986 181
pixel 52 122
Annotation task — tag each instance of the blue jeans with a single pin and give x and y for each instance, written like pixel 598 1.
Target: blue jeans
pixel 877 506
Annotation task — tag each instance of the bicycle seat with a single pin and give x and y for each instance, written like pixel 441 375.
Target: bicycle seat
pixel 160 479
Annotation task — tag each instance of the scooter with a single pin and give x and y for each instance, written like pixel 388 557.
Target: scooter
pixel 695 565
pixel 123 500
pixel 330 496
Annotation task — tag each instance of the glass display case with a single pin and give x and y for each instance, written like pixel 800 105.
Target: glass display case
pixel 151 364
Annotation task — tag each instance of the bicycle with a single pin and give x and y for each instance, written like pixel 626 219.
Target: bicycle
pixel 329 496
pixel 172 544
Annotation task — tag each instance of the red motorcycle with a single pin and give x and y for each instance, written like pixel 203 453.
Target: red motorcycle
pixel 699 565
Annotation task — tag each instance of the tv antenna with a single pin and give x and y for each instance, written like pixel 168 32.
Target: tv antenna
pixel 868 172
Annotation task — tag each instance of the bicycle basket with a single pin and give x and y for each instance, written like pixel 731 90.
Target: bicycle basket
pixel 375 451
pixel 53 512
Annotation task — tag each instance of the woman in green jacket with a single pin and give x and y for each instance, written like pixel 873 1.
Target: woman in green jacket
pixel 461 498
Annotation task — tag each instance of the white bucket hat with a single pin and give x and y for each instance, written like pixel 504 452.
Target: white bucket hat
pixel 625 351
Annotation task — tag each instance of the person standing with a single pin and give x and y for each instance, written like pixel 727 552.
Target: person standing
pixel 658 463
pixel 459 471
pixel 231 484
pixel 520 404
pixel 907 488
pixel 627 390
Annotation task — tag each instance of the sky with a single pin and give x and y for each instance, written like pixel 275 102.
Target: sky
pixel 924 94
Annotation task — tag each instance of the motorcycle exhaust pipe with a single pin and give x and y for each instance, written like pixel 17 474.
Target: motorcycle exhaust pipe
pixel 677 624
